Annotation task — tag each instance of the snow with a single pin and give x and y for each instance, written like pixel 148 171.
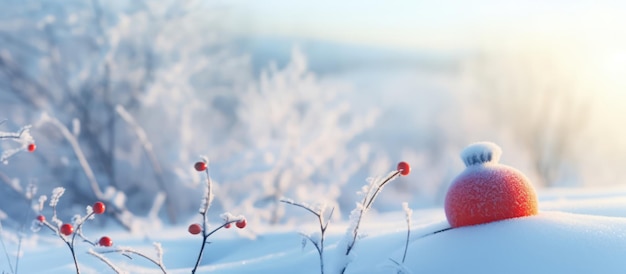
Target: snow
pixel 122 106
pixel 481 152
pixel 578 235
pixel 552 242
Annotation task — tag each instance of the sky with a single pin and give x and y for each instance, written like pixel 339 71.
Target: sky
pixel 587 36
pixel 583 39
pixel 445 24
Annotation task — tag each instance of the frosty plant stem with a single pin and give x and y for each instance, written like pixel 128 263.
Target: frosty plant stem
pixel 229 219
pixel 125 251
pixel 370 192
pixel 369 197
pixel 408 213
pixel 22 137
pixel 6 252
pixel 204 207
pixel 319 244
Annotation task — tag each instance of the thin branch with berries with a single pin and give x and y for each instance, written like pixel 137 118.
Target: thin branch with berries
pixel 13 135
pixel 65 230
pixel 370 193
pixel 23 137
pixel 229 219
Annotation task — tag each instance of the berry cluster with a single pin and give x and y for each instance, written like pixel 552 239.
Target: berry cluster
pixel 196 228
pixel 68 232
pixel 67 229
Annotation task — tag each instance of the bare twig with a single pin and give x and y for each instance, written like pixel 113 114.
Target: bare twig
pixel 124 251
pixel 4 248
pixel 95 187
pixel 373 189
pixel 319 246
pixel 105 260
pixel 147 148
pixel 408 213
pixel 13 135
pixel 368 199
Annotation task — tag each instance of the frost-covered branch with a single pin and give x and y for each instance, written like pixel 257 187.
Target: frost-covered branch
pixel 369 192
pixel 207 198
pixel 22 136
pixel 105 260
pixel 317 243
pixel 4 249
pixel 123 216
pixel 399 266
pixel 95 187
pixel 148 149
pixel 408 213
pixel 127 250
pixel 13 135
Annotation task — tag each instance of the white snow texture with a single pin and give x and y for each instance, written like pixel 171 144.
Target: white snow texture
pixel 481 153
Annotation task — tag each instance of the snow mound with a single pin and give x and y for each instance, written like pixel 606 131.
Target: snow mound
pixel 551 242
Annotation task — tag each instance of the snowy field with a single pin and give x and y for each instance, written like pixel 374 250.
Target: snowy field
pixel 575 232
pixel 115 101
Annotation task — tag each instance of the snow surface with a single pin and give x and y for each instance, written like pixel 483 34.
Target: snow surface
pixel 586 234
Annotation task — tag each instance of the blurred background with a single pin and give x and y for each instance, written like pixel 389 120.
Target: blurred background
pixel 302 99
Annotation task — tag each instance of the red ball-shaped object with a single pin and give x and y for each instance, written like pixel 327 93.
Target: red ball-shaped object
pixel 487 191
pixel 67 229
pixel 200 166
pixel 99 207
pixel 105 241
pixel 228 225
pixel 41 218
pixel 195 229
pixel 404 168
pixel 31 147
pixel 241 223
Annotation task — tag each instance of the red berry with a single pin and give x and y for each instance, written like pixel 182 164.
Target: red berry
pixel 195 229
pixel 200 166
pixel 241 223
pixel 31 147
pixel 99 208
pixel 228 225
pixel 487 191
pixel 41 218
pixel 105 241
pixel 404 168
pixel 67 229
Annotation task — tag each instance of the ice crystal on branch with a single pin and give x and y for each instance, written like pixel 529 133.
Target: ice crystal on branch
pixel 57 192
pixel 31 190
pixel 159 252
pixel 228 217
pixel 40 203
pixel 22 137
